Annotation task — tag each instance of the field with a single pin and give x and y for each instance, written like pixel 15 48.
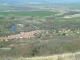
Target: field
pixel 29 13
pixel 58 35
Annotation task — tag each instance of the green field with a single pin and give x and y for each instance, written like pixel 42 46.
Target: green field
pixel 29 13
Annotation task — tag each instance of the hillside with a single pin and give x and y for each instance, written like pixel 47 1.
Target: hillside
pixel 67 56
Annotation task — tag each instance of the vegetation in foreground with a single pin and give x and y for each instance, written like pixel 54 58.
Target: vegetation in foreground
pixel 68 56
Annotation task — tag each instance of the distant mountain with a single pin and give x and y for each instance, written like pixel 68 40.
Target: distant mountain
pixel 41 1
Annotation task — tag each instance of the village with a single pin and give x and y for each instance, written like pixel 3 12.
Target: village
pixel 21 35
pixel 31 34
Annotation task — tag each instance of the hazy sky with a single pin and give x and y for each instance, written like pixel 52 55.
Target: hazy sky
pixel 52 1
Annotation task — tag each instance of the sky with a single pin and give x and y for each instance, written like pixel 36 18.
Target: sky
pixel 44 1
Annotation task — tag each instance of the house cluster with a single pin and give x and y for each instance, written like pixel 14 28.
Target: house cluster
pixel 21 35
pixel 67 31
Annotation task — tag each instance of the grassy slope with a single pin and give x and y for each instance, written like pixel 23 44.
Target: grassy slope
pixel 67 56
